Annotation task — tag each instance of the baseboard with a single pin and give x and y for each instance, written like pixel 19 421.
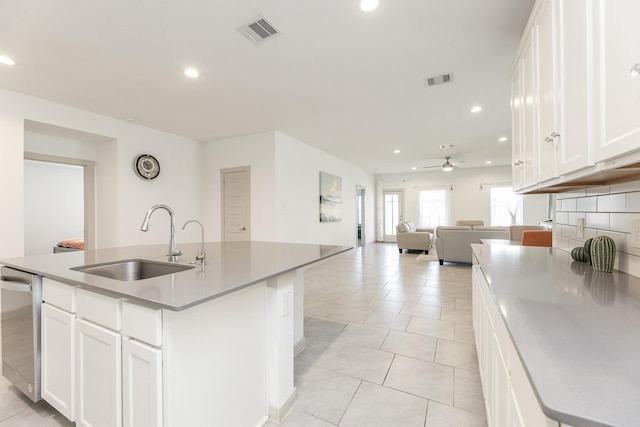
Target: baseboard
pixel 300 345
pixel 279 414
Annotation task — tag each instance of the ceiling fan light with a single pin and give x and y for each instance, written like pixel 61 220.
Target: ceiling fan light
pixel 447 167
pixel 368 5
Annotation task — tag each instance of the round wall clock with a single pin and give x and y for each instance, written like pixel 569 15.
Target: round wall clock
pixel 147 167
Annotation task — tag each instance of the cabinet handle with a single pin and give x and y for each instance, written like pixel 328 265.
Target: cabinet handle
pixel 551 137
pixel 517 163
pixel 635 70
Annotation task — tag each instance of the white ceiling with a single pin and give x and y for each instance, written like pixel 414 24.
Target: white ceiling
pixel 346 81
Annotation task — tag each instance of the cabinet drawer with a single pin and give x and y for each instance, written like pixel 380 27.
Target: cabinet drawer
pixel 142 323
pixel 100 309
pixel 59 294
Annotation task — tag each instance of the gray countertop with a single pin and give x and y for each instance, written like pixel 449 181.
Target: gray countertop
pixel 577 332
pixel 230 266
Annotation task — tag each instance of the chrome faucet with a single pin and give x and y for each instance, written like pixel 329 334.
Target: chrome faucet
pixel 201 255
pixel 173 252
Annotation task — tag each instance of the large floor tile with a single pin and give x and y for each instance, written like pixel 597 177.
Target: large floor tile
pixel 325 394
pixel 384 319
pixel 424 379
pixel 432 328
pixel 399 409
pixel 457 355
pixel 411 345
pixel 439 415
pixel 422 310
pixel 364 335
pixel 359 362
pixel 467 391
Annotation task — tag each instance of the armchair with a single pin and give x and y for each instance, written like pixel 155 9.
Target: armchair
pixel 412 238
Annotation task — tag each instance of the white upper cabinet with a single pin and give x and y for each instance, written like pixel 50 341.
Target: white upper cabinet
pixel 547 105
pixel 559 94
pixel 575 86
pixel 618 55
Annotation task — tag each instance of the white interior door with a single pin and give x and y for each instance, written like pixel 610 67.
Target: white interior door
pixel 360 216
pixel 393 213
pixel 236 197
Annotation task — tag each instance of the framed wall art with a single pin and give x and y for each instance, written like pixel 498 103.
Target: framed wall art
pixel 330 197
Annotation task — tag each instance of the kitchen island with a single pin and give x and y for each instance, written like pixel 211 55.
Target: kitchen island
pixel 210 345
pixel 557 341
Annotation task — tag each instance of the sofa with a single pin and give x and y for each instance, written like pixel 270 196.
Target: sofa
pixel 453 243
pixel 411 238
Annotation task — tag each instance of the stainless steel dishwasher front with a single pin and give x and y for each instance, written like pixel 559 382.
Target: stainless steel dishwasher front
pixel 20 302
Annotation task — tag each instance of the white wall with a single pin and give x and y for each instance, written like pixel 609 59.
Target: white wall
pixel 468 201
pixel 127 197
pixel 257 151
pixel 285 189
pixel 54 205
pixel 297 195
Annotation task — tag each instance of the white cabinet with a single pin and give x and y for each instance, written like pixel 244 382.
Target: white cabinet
pixel 99 360
pixel 99 379
pixel 554 108
pixel 58 322
pixel 142 384
pixel 58 359
pixel 543 34
pixel 509 397
pixel 619 90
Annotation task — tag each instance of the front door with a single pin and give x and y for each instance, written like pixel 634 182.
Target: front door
pixel 236 199
pixel 393 213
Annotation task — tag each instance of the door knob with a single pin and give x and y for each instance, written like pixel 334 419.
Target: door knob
pixel 244 229
pixel 635 70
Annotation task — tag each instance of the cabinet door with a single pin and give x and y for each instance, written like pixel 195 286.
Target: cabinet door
pixel 618 53
pixel 517 107
pixel 575 86
pixel 529 97
pixel 99 377
pixel 142 384
pixel 58 359
pixel 544 36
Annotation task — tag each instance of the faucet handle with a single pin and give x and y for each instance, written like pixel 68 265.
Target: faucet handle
pixel 177 252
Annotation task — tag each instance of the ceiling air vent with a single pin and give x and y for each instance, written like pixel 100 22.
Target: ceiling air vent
pixel 437 80
pixel 259 30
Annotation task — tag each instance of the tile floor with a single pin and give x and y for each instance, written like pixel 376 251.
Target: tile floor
pixel 389 343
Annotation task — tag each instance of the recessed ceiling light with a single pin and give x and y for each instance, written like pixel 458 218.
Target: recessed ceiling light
pixel 6 60
pixel 503 139
pixel 414 168
pixel 191 72
pixel 368 5
pixel 488 162
pixel 476 109
pixel 396 151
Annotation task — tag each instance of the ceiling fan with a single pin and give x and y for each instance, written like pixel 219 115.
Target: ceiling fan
pixel 446 166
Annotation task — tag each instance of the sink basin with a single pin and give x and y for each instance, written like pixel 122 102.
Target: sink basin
pixel 132 269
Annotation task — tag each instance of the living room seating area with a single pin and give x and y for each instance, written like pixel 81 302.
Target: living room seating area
pixel 411 238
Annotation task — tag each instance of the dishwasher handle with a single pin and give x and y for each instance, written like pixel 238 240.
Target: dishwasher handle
pixel 15 283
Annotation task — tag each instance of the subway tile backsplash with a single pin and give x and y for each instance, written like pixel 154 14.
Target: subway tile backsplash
pixel 608 211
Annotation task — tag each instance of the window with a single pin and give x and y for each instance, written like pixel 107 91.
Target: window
pixel 506 207
pixel 434 208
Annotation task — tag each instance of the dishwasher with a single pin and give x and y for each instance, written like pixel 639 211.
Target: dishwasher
pixel 20 303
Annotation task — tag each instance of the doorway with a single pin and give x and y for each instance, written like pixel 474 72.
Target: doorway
pixel 59 202
pixel 236 203
pixel 360 216
pixel 393 213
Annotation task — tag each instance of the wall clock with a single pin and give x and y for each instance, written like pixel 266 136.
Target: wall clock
pixel 147 167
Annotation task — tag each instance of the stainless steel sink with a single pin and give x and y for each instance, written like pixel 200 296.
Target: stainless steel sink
pixel 132 269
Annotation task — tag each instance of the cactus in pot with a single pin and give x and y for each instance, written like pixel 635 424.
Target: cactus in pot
pixel 603 253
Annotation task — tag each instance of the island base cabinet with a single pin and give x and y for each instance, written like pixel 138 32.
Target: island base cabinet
pixel 142 384
pixel 58 359
pixel 99 376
